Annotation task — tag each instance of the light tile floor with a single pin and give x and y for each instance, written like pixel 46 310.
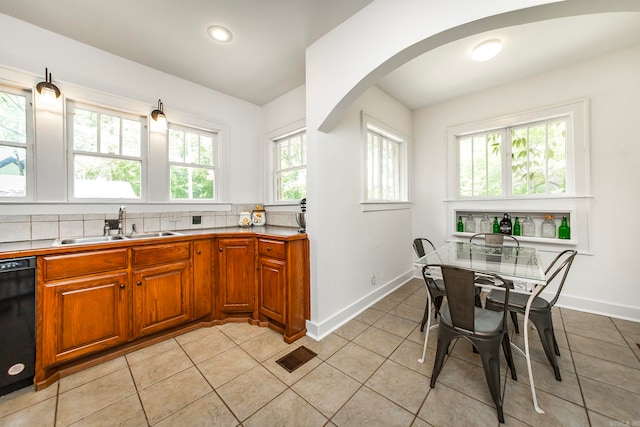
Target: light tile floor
pixel 366 374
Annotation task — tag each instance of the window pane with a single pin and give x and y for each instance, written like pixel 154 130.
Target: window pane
pixel 192 145
pixel 99 177
pixel 206 150
pixel 131 137
pixel 479 165
pixel 292 185
pixel 191 183
pixel 494 164
pixel 557 157
pixel 519 161
pixel 176 145
pixel 13 179
pixel 85 130
pixel 109 134
pixel 13 118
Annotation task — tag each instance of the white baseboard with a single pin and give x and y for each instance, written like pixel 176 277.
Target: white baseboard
pixel 603 308
pixel 321 329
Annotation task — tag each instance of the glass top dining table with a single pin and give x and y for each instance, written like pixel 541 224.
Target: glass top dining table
pixel 521 264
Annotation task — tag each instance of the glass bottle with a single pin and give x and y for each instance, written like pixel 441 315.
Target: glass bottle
pixel 470 224
pixel 528 227
pixel 496 225
pixel 485 224
pixel 516 227
pixel 460 224
pixel 505 224
pixel 564 232
pixel 548 227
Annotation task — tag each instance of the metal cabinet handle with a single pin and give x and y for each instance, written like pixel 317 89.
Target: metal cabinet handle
pixel 139 283
pixel 198 252
pixel 122 285
pixel 268 248
pixel 220 249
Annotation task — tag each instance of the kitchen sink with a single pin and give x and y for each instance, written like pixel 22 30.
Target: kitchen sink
pixel 86 240
pixel 104 239
pixel 151 235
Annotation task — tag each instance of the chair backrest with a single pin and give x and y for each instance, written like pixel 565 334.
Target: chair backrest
pixel 496 239
pixel 563 260
pixel 419 246
pixel 460 286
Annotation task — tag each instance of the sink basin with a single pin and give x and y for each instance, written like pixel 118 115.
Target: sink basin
pixel 104 239
pixel 86 240
pixel 152 235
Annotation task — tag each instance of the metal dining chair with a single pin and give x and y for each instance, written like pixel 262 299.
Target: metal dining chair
pixel 540 311
pixel 435 287
pixel 497 239
pixel 485 329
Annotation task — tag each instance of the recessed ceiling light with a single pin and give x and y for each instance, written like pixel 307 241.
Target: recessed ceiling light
pixel 219 33
pixel 486 50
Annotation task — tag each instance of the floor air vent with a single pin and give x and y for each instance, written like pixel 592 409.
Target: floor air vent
pixel 296 358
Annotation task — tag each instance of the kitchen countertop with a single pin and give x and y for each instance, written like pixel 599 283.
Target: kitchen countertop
pixel 43 247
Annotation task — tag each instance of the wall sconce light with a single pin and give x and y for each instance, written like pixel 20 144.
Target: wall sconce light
pixel 159 118
pixel 46 88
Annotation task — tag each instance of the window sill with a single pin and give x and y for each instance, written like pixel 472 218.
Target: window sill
pixel 384 206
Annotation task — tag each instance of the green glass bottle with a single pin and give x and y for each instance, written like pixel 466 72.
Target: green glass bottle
pixel 516 227
pixel 460 224
pixel 496 225
pixel 564 232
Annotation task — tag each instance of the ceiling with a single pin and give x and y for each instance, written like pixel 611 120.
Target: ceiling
pixel 266 57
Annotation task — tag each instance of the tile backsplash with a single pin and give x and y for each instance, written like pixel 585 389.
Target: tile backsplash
pixel 18 228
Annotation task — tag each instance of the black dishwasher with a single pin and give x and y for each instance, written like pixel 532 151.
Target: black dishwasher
pixel 17 323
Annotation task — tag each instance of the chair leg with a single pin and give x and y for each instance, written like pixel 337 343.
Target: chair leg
pixel 444 339
pixel 491 364
pixel 437 301
pixel 425 317
pixel 542 321
pixel 555 344
pixel 514 319
pixel 506 348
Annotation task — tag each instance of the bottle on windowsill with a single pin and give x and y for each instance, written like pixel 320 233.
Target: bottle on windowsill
pixel 505 224
pixel 549 227
pixel 496 225
pixel 470 224
pixel 516 227
pixel 485 224
pixel 528 227
pixel 564 232
pixel 460 226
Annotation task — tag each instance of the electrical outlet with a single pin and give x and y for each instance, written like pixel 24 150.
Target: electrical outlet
pixel 174 216
pixel 196 219
pixel 373 280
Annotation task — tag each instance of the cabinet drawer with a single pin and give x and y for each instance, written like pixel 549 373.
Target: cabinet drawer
pixel 70 265
pixel 271 248
pixel 158 254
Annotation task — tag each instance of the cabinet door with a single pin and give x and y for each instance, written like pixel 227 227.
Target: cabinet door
pixel 83 316
pixel 236 275
pixel 272 286
pixel 202 278
pixel 161 297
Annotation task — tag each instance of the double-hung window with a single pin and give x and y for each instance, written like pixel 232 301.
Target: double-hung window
pixel 290 167
pixel 15 134
pixel 386 164
pixel 532 155
pixel 192 163
pixel 107 153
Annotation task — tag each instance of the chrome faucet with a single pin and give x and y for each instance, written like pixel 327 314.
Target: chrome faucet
pixel 121 216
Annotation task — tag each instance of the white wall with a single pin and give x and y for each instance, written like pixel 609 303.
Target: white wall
pixel 606 281
pixel 348 246
pixel 83 72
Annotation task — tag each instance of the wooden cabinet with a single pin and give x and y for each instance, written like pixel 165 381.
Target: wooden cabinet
pixel 84 304
pixel 235 288
pixel 283 285
pixel 161 290
pixel 202 278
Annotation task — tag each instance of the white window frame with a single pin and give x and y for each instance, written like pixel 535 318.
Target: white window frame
pixel 71 152
pixel 28 145
pixel 402 202
pixel 215 167
pixel 577 146
pixel 269 152
pixel 277 170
